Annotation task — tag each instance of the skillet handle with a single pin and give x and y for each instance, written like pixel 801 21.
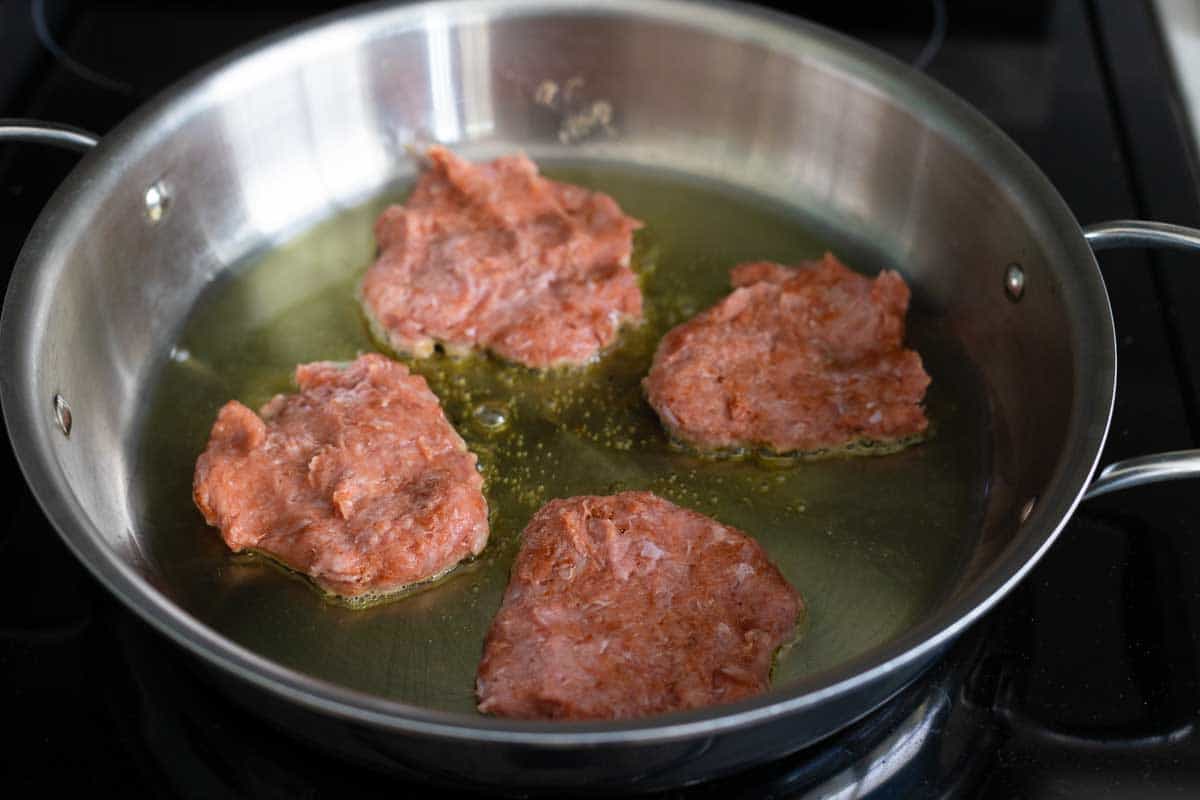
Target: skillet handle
pixel 53 133
pixel 1162 466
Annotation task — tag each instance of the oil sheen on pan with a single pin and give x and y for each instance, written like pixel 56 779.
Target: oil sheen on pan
pixel 872 542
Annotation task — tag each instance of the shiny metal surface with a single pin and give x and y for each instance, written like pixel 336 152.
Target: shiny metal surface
pixel 158 200
pixel 62 414
pixel 286 133
pixel 899 751
pixel 1177 465
pixel 1139 233
pixel 52 133
pixel 1014 282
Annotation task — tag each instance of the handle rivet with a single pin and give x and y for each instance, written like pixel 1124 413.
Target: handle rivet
pixel 1014 282
pixel 1027 509
pixel 157 200
pixel 62 414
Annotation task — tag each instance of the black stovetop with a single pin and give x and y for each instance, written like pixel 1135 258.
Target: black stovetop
pixel 1085 682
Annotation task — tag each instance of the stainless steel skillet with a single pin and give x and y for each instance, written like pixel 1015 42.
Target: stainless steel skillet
pixel 268 142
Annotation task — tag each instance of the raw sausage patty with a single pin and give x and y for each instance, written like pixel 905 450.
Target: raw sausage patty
pixel 794 360
pixel 358 481
pixel 494 256
pixel 628 605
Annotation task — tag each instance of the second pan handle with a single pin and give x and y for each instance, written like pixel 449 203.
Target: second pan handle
pixel 52 133
pixel 1160 466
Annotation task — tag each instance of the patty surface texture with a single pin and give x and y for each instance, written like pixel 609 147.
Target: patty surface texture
pixel 796 359
pixel 628 605
pixel 494 256
pixel 358 480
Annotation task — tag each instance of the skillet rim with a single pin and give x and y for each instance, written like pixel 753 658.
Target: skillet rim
pixel 1094 346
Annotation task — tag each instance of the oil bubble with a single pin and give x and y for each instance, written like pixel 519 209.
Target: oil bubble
pixel 490 417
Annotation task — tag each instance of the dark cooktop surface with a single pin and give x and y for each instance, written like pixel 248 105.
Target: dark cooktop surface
pixel 1083 683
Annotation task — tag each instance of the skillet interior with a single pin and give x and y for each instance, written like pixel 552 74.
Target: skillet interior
pixel 302 128
pixel 872 542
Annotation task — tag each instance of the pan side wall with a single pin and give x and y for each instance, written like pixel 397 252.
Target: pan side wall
pixel 253 153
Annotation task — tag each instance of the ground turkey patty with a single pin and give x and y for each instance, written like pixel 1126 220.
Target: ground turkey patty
pixel 629 605
pixel 358 481
pixel 494 256
pixel 794 360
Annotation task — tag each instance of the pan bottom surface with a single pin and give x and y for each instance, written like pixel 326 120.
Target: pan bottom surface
pixel 872 543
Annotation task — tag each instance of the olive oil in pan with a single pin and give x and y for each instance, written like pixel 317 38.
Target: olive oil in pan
pixel 871 542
